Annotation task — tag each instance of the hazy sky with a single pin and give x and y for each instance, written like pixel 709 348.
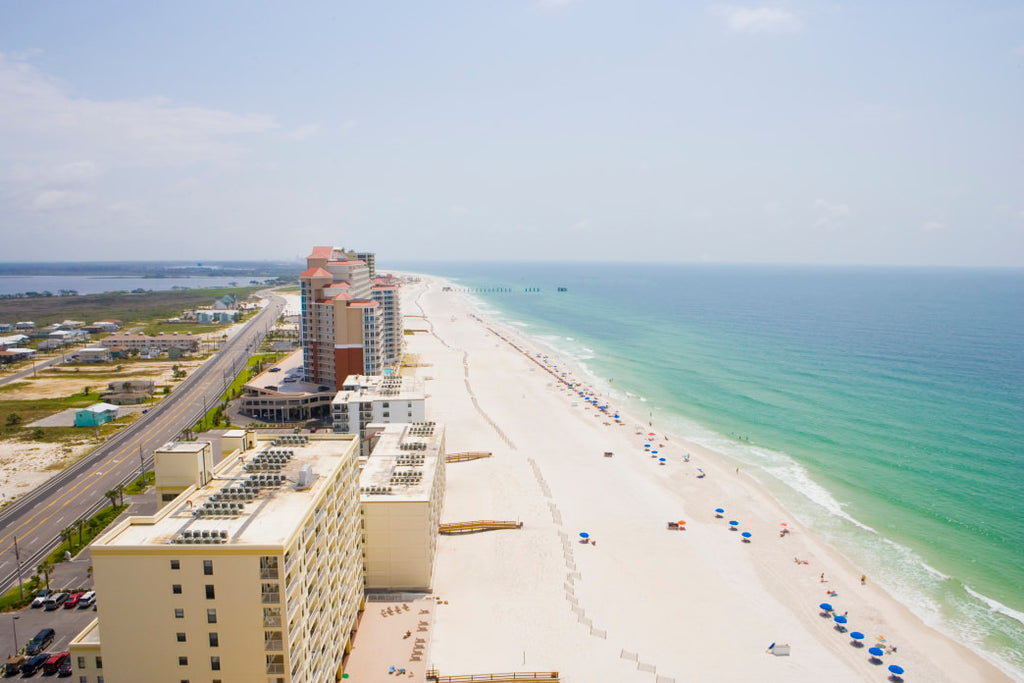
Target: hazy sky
pixel 826 132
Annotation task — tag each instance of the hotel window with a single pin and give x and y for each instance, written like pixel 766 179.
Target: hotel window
pixel 176 589
pixel 175 564
pixel 211 616
pixel 81 662
pixel 179 613
pixel 181 637
pixel 210 593
pixel 99 662
pixel 215 663
pixel 214 639
pixel 208 567
pixel 182 661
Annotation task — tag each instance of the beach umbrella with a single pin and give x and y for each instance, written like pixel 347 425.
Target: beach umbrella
pixel 651 434
pixel 857 635
pixel 682 522
pixel 825 606
pixel 746 535
pixel 584 534
pixel 898 670
pixel 719 511
pixel 783 524
pixel 654 452
pixel 876 651
pixel 734 523
pixel 661 459
pixel 880 638
pixel 839 619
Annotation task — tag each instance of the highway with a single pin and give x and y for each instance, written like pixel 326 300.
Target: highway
pixel 37 518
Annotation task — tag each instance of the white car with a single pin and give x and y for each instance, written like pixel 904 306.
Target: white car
pixel 87 600
pixel 41 597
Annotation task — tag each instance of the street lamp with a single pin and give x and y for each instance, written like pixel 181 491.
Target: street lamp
pixel 14 625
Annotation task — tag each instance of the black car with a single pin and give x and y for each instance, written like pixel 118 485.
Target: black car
pixel 65 669
pixel 33 665
pixel 41 641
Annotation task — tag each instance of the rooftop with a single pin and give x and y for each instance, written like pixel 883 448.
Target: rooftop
pixel 258 498
pixel 403 462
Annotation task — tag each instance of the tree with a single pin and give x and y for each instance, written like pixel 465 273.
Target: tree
pixel 93 526
pixel 80 525
pixel 120 492
pixel 66 534
pixel 112 496
pixel 85 390
pixel 13 419
pixel 45 568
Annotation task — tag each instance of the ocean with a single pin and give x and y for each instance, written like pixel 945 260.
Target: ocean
pixel 884 407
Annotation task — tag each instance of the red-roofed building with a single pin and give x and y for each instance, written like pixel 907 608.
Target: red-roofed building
pixel 341 330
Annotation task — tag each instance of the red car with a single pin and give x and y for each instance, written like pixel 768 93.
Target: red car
pixel 72 602
pixel 53 664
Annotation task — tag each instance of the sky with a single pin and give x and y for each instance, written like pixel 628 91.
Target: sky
pixel 857 132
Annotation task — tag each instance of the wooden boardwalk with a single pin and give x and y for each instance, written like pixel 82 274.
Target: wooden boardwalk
pixel 466 456
pixel 477 525
pixel 516 676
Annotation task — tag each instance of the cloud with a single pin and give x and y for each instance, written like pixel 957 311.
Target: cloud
pixel 42 123
pixel 56 200
pixel 303 132
pixel 829 215
pixel 581 225
pixel 758 20
pixel 932 226
pixel 459 210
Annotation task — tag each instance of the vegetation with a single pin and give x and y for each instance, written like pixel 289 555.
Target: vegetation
pixel 129 307
pixel 215 416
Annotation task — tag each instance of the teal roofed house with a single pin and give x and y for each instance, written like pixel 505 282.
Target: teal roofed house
pixel 95 415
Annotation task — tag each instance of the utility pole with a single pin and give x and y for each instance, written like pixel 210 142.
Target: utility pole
pixel 142 465
pixel 17 557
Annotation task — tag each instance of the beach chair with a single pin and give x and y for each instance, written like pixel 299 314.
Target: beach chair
pixel 673 525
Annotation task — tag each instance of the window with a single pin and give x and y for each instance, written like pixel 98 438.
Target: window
pixel 175 564
pixel 214 640
pixel 179 613
pixel 210 595
pixel 215 663
pixel 176 589
pixel 83 679
pixel 181 637
pixel 183 661
pixel 81 662
pixel 208 567
pixel 99 662
pixel 211 616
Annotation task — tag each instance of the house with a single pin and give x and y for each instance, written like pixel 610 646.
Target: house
pixel 15 355
pixel 129 392
pixel 12 340
pixel 95 354
pixel 95 415
pixel 6 327
pixel 175 352
pixel 25 325
pixel 149 353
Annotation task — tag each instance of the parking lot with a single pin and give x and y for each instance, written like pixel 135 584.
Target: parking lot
pixel 28 622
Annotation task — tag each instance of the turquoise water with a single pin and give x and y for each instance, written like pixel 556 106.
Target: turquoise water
pixel 884 407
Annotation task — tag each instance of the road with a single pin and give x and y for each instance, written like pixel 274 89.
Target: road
pixel 37 518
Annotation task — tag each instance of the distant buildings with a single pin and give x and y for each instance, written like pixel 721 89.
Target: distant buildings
pixel 95 415
pixel 163 342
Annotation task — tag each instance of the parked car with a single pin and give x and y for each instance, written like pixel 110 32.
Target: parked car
pixel 41 596
pixel 53 664
pixel 65 669
pixel 87 600
pixel 13 665
pixel 54 601
pixel 275 369
pixel 72 601
pixel 40 642
pixel 34 664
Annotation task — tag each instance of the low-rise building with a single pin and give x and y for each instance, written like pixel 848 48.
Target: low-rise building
pixel 94 354
pixel 95 415
pixel 161 342
pixel 180 464
pixel 254 576
pixel 401 489
pixel 374 398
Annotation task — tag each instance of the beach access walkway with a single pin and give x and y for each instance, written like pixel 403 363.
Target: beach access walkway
pixel 477 525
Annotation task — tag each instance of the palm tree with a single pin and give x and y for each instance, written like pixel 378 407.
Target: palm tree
pixel 66 534
pixel 112 495
pixel 45 568
pixel 93 526
pixel 80 525
pixel 120 491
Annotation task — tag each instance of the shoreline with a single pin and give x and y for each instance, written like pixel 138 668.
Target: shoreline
pixel 789 593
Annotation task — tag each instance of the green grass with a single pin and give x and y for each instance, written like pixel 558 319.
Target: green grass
pixel 129 308
pixel 215 415
pixel 156 328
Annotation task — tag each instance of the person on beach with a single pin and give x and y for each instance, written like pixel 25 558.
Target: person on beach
pixel 863 579
pixel 823 577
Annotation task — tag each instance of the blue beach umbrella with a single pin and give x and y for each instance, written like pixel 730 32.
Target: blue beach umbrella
pixel 746 534
pixel 661 459
pixel 825 606
pixel 719 511
pixel 654 452
pixel 584 534
pixel 876 651
pixel 839 619
pixel 734 523
pixel 898 670
pixel 857 635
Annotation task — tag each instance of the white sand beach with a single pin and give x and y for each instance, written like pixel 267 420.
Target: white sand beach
pixel 643 602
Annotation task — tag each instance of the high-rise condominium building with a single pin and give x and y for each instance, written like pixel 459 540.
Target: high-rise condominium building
pixel 255 575
pixel 341 321
pixel 385 291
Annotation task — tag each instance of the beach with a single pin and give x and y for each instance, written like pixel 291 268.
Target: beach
pixel 641 601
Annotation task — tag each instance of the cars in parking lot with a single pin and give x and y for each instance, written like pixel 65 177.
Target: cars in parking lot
pixel 55 662
pixel 87 600
pixel 65 669
pixel 40 642
pixel 275 369
pixel 13 665
pixel 34 664
pixel 41 597
pixel 72 601
pixel 54 600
